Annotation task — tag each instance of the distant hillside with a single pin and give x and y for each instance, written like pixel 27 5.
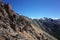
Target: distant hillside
pixel 51 26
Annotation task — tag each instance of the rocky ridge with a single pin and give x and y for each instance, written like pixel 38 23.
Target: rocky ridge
pixel 49 25
pixel 16 27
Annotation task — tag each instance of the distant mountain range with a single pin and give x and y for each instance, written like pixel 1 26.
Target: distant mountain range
pixel 51 26
pixel 18 27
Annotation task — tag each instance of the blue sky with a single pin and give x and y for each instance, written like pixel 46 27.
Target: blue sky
pixel 36 8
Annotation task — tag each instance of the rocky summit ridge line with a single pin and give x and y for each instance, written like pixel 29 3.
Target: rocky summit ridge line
pixel 16 27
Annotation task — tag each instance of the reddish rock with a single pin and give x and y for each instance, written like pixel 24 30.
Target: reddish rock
pixel 0 1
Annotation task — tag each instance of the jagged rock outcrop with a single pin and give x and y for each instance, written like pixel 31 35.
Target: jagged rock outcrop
pixel 17 27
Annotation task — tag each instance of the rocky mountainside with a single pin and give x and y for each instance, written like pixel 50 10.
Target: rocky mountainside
pixel 16 27
pixel 51 26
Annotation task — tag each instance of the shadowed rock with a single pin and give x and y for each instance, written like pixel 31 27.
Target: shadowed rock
pixel 16 27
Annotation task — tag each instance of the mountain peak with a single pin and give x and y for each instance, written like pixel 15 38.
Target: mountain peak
pixel 16 27
pixel 5 9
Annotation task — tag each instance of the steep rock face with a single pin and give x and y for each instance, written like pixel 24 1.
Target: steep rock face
pixel 17 27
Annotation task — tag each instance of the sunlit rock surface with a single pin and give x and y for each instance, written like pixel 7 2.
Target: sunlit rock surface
pixel 17 27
